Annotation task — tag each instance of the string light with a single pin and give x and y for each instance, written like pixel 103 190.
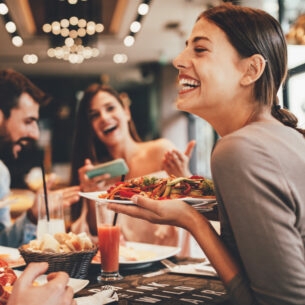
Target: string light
pixel 10 26
pixel 135 26
pixel 71 35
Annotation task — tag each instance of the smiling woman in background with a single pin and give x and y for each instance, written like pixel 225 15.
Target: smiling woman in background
pixel 105 131
pixel 233 65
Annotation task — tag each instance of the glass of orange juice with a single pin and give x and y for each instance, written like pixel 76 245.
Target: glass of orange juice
pixel 109 242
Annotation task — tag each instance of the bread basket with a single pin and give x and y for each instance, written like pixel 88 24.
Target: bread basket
pixel 75 263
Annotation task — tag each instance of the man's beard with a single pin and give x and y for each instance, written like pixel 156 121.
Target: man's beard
pixel 10 148
pixel 7 147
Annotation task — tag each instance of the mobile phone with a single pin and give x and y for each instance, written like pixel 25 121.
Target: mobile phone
pixel 115 168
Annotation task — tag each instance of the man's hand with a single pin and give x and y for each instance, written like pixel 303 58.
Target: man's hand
pixel 54 292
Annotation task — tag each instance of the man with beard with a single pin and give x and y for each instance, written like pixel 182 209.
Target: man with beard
pixel 20 100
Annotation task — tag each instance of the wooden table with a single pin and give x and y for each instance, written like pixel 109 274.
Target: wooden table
pixel 154 285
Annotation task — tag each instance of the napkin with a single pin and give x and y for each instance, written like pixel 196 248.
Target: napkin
pixel 105 296
pixel 198 268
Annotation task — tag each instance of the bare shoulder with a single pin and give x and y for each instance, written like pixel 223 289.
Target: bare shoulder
pixel 160 145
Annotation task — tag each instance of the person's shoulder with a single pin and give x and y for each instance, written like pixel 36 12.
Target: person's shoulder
pixel 240 144
pixel 161 143
pixel 157 146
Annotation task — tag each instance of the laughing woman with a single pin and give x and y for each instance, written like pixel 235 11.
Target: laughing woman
pixel 233 65
pixel 105 131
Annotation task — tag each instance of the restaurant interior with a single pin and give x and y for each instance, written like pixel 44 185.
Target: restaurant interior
pixel 65 45
pixel 129 49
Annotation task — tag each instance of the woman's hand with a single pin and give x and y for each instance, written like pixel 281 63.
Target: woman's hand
pixel 171 212
pixel 176 163
pixel 54 292
pixel 93 184
pixel 70 195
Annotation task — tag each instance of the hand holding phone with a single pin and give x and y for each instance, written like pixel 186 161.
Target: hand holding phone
pixel 115 168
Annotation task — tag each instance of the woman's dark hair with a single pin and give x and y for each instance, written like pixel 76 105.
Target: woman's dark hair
pixel 12 85
pixel 86 144
pixel 253 31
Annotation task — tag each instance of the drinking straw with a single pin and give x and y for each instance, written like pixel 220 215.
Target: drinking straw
pixel 45 192
pixel 116 214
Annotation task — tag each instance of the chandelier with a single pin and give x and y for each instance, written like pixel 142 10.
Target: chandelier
pixel 72 31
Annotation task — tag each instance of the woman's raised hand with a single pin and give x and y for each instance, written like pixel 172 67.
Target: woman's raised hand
pixel 177 163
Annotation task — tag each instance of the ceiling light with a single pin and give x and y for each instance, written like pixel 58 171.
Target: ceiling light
pixel 82 23
pixel 47 28
pixel 90 27
pixel 120 58
pixel 10 27
pixel 64 23
pixel 71 35
pixel 135 27
pixel 129 41
pixel 64 32
pixel 81 32
pixel 73 20
pixel 143 9
pixel 3 9
pixel 30 59
pixel 17 41
pixel 99 28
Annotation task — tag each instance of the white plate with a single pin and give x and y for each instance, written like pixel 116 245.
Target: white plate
pixel 156 253
pixel 11 256
pixel 76 284
pixel 95 196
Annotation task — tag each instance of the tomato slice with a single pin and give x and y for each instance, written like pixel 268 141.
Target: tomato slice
pixel 124 193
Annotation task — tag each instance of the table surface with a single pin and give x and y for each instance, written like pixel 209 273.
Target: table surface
pixel 154 285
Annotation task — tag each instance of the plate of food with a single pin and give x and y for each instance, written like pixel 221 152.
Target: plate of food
pixel 134 254
pixel 99 196
pixel 11 256
pixel 195 189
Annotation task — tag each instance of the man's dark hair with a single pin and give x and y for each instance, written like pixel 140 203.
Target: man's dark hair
pixel 12 85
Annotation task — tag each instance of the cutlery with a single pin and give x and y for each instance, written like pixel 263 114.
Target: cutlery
pixel 203 268
pixel 169 264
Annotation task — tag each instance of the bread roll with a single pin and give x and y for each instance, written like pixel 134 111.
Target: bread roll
pixel 49 244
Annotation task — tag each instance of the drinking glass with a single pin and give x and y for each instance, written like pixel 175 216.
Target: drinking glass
pixel 109 242
pixel 56 222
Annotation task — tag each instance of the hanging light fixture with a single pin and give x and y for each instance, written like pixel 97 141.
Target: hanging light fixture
pixel 10 26
pixel 72 32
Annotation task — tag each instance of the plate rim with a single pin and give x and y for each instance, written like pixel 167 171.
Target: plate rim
pixel 14 254
pixel 190 200
pixel 82 283
pixel 174 251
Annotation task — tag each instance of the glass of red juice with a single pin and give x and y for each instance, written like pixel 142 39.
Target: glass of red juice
pixel 109 242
